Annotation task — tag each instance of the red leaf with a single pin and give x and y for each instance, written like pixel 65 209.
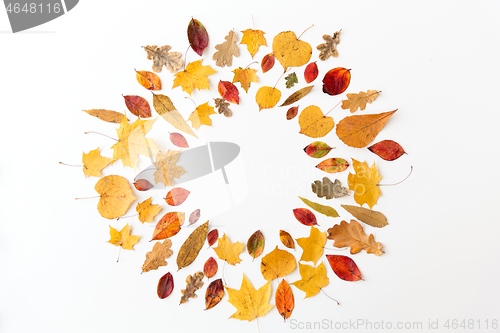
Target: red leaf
pixel 332 165
pixel 142 185
pixel 165 285
pixel 214 294
pixel 179 140
pixel 317 149
pixel 197 36
pixel 267 62
pixel 388 150
pixel 138 106
pixel 344 267
pixel 212 237
pixel 176 196
pixel 210 268
pixel 311 72
pixel 336 81
pixel 305 216
pixel 292 112
pixel 229 92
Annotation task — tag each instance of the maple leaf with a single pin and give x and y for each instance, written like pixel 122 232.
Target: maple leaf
pixel 194 76
pixel 277 263
pixel 161 57
pixel 312 246
pixel 131 142
pixel 166 170
pixel 291 79
pixel 330 47
pixel 226 51
pixel 93 163
pixel 253 39
pixel 245 77
pixel 364 183
pixel 193 283
pixel 290 51
pixel 200 116
pixel 123 237
pixel 192 246
pixel 353 236
pixel 327 188
pixel 250 303
pixel 313 123
pixel 147 211
pixel 228 251
pixel 223 107
pixel 165 108
pixel 157 256
pixel 313 279
pixel 267 97
pixel 355 101
pixel 106 115
pixel 116 196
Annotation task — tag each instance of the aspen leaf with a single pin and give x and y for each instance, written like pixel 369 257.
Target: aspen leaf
pixel 212 237
pixel 157 256
pixel 327 188
pixel 123 237
pixel 336 81
pixel 267 62
pixel 161 57
pixel 229 92
pixel 230 252
pixel 226 51
pixel 165 286
pixel 326 210
pixel 116 196
pixel 255 244
pixel 317 149
pixel 305 216
pixel 166 109
pixel 387 150
pixel 313 123
pixel 197 36
pixel 176 196
pixel 210 267
pixel 344 267
pixel 368 216
pixel 277 263
pixel 296 96
pixel 93 163
pixel 193 283
pixel 194 76
pixel 143 185
pixel 291 79
pixel 329 49
pixel 359 131
pixel 192 246
pixel 106 115
pixel 168 226
pixel 312 246
pixel 364 183
pixel 166 170
pixel 312 279
pixel 332 165
pixel 245 77
pixel 284 299
pixel 194 217
pixel 355 101
pixel 287 239
pixel 292 112
pixel 267 97
pixel 138 106
pixel 311 72
pixel 290 51
pixel 214 294
pixel 178 140
pixel 353 236
pixel 147 211
pixel 253 39
pixel 148 80
pixel 200 116
pixel 250 303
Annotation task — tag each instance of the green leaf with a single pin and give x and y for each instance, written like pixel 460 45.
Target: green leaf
pixel 291 79
pixel 317 149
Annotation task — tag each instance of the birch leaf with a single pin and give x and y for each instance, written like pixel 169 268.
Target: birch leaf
pixel 116 196
pixel 277 263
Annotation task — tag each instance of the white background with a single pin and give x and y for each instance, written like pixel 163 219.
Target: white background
pixel 436 62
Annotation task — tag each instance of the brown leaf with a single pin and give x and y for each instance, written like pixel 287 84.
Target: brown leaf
pixel 176 196
pixel 168 226
pixel 388 150
pixel 344 267
pixel 143 185
pixel 368 216
pixel 178 140
pixel 311 72
pixel 292 112
pixel 197 36
pixel 214 294
pixel 336 81
pixel 192 246
pixel 329 49
pixel 226 51
pixel 212 237
pixel 161 57
pixel 284 299
pixel 138 106
pixel 305 216
pixel 296 96
pixel 210 267
pixel 157 256
pixel 353 236
pixel 332 165
pixel 166 170
pixel 326 188
pixel 194 217
pixel 255 244
pixel 287 239
pixel 355 101
pixel 148 80
pixel 193 283
pixel 267 62
pixel 229 92
pixel 223 107
pixel 165 286
pixel 106 115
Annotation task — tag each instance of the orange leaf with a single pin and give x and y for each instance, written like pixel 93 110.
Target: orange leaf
pixel 168 226
pixel 212 237
pixel 311 72
pixel 214 294
pixel 353 236
pixel 292 112
pixel 332 165
pixel 142 185
pixel 284 299
pixel 267 62
pixel 287 239
pixel 336 81
pixel 148 80
pixel 177 196
pixel 210 268
pixel 229 92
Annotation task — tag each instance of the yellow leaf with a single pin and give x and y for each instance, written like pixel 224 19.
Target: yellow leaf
pixel 226 51
pixel 131 142
pixel 157 256
pixel 364 183
pixel 165 108
pixel 353 236
pixel 192 246
pixel 267 97
pixel 277 263
pixel 290 51
pixel 116 196
pixel 93 163
pixel 123 237
pixel 313 123
pixel 355 101
pixel 313 279
pixel 194 76
pixel 312 246
pixel 253 39
pixel 228 251
pixel 106 115
pixel 245 77
pixel 250 303
pixel 200 116
pixel 147 211
pixel 166 170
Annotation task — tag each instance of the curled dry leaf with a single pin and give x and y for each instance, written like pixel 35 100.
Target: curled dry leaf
pixel 332 165
pixel 166 109
pixel 142 185
pixel 291 79
pixel 311 72
pixel 93 163
pixel 312 246
pixel 352 235
pixel 176 196
pixel 223 107
pixel 193 283
pixel 312 279
pixel 166 170
pixel 194 76
pixel 165 286
pixel 161 57
pixel 329 49
pixel 344 267
pixel 290 51
pixel 210 268
pixel 148 80
pixel 305 216
pixel 147 211
pixel 201 115
pixel 317 149
pixel 138 106
pixel 327 188
pixel 336 81
pixel 106 115
pixel 214 294
pixel 326 210
pixel 313 123
pixel 267 62
pixel 226 51
pixel 284 299
pixel 197 36
pixel 157 256
pixel 292 112
pixel 277 263
pixel 267 97
pixel 229 92
pixel 355 101
pixel 253 39
pixel 192 246
pixel 168 226
pixel 296 96
pixel 255 244
pixel 368 216
pixel 250 303
pixel 287 239
pixel 123 237
pixel 212 237
pixel 116 196
pixel 364 183
pixel 230 252
pixel 178 140
pixel 195 216
pixel 387 150
pixel 245 77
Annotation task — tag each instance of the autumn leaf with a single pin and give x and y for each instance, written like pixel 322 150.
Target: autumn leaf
pixel 364 183
pixel 197 36
pixel 194 217
pixel 277 263
pixel 255 244
pixel 157 256
pixel 178 140
pixel 148 80
pixel 245 77
pixel 230 252
pixel 210 267
pixel 200 116
pixel 226 51
pixel 327 188
pixel 355 101
pixel 223 107
pixel 193 283
pixel 317 149
pixel 176 196
pixel 284 299
pixel 387 150
pixel 212 237
pixel 352 235
pixel 329 49
pixel 287 239
pixel 359 131
pixel 147 211
pixel 290 51
pixel 296 96
pixel 312 279
pixel 116 196
pixel 214 294
pixel 166 170
pixel 336 81
pixel 192 246
pixel 344 267
pixel 326 210
pixel 267 97
pixel 143 185
pixel 291 79
pixel 168 226
pixel 312 246
pixel 253 39
pixel 161 57
pixel 229 92
pixel 165 108
pixel 292 112
pixel 123 237
pixel 250 303
pixel 267 62
pixel 313 123
pixel 368 216
pixel 165 286
pixel 106 115
pixel 93 163
pixel 333 165
pixel 138 106
pixel 305 216
pixel 194 76
pixel 131 142
pixel 311 72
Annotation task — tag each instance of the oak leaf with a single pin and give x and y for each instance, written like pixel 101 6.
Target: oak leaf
pixel 193 283
pixel 116 196
pixel 326 210
pixel 250 303
pixel 245 77
pixel 291 79
pixel 93 163
pixel 214 294
pixel 168 226
pixel 192 246
pixel 255 244
pixel 287 239
pixel 148 80
pixel 312 246
pixel 329 49
pixel 355 101
pixel 387 150
pixel 290 51
pixel 253 39
pixel 106 115
pixel 147 211
pixel 312 279
pixel 313 123
pixel 165 286
pixel 344 267
pixel 157 256
pixel 327 188
pixel 165 108
pixel 353 236
pixel 284 299
pixel 194 76
pixel 161 57
pixel 138 106
pixel 166 170
pixel 277 263
pixel 200 116
pixel 267 97
pixel 123 237
pixel 296 96
pixel 223 107
pixel 197 36
pixel 230 252
pixel 226 51
pixel 368 216
pixel 364 183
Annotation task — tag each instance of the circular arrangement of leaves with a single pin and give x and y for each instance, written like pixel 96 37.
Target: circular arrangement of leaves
pixel 358 131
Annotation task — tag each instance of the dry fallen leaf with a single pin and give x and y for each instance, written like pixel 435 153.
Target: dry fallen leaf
pixel 116 196
pixel 93 163
pixel 368 216
pixel 123 237
pixel 353 236
pixel 178 140
pixel 253 39
pixel 138 106
pixel 214 294
pixel 165 108
pixel 336 81
pixel 250 303
pixel 212 237
pixel 284 299
pixel 291 79
pixel 161 57
pixel 326 188
pixel 277 263
pixel 230 252
pixel 387 150
pixel 313 123
pixel 106 115
pixel 200 116
pixel 210 268
pixel 267 97
pixel 290 51
pixel 292 112
pixel 143 185
pixel 194 76
pixel 166 170
pixel 312 279
pixel 355 101
pixel 245 77
pixel 168 226
pixel 193 283
pixel 317 149
pixel 229 92
pixel 176 196
pixel 165 286
pixel 226 51
pixel 192 246
pixel 267 62
pixel 157 256
pixel 147 211
pixel 148 80
pixel 364 183
pixel 329 49
pixel 311 72
pixel 312 246
pixel 287 239
pixel 197 36
pixel 344 267
pixel 305 216
pixel 333 165
pixel 255 244
pixel 223 107
pixel 194 217
pixel 326 210
pixel 296 96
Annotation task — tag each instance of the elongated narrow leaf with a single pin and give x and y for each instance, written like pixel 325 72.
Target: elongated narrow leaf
pixel 284 299
pixel 368 216
pixel 317 149
pixel 326 210
pixel 296 96
pixel 344 267
pixel 192 246
pixel 165 108
pixel 305 216
pixel 106 115
pixel 333 165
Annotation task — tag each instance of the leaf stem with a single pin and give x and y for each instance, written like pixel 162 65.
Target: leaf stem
pixel 286 70
pixel 124 217
pixel 98 196
pixel 185 57
pixel 100 134
pixel 255 62
pixel 333 108
pixel 305 31
pixel 399 181
pixel 71 165
pixel 329 296
pixel 192 100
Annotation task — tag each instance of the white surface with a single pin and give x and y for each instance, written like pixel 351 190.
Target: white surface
pixel 434 61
